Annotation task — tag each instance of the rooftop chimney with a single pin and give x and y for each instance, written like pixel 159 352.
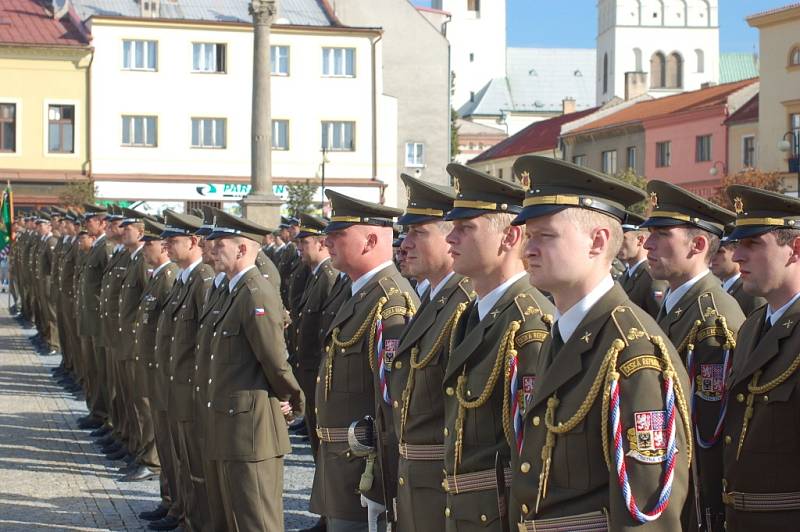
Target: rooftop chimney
pixel 635 84
pixel 568 105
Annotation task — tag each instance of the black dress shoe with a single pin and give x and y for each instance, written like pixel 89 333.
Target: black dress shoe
pixel 101 432
pixel 166 523
pixel 154 515
pixel 119 455
pixel 318 527
pixel 90 424
pixel 139 474
pixel 128 468
pixel 111 448
pixel 106 440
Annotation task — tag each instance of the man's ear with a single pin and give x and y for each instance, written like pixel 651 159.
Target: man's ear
pixel 600 241
pixel 512 235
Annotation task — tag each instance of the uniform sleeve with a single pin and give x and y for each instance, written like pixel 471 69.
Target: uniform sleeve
pixel 643 442
pixel 263 326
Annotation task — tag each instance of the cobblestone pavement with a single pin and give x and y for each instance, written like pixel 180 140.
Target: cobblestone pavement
pixel 53 477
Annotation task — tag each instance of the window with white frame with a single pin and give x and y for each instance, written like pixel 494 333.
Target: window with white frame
pixel 61 128
pixel 580 160
pixel 279 60
pixel 702 148
pixel 749 151
pixel 280 134
pixel 663 154
pixel 630 155
pixel 338 136
pixel 415 154
pixel 208 57
pixel 208 132
pixel 338 62
pixel 139 55
pixel 139 131
pixel 609 161
pixel 8 127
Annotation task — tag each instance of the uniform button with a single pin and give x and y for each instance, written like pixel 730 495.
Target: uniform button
pixel 765 398
pixel 446 432
pixel 395 404
pixel 209 404
pixel 469 393
pixel 447 512
pixel 175 319
pixel 171 378
pixel 484 518
pixel 215 333
pixel 197 389
pixel 195 367
pixel 316 410
pixel 212 357
pixel 209 380
pixel 728 439
pixel 740 397
pixel 343 350
pixel 156 364
pixel 230 411
pixel 525 467
pixel 198 345
pixel 401 481
pixel 398 364
pixel 524 509
pixel 120 329
pixel 173 338
pixel 536 421
pixel 450 390
pixel 137 358
pixel 317 379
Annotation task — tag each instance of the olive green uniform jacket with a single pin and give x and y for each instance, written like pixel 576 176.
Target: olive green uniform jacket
pixel 130 296
pixel 764 377
pixel 476 374
pixel 643 290
pixel 92 280
pixel 420 420
pixel 580 481
pixel 705 302
pixel 154 299
pixel 747 302
pixel 113 278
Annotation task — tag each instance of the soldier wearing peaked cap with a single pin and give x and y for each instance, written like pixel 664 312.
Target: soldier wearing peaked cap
pixel 66 307
pixel 761 425
pixel 353 379
pixel 504 325
pixel 723 266
pixel 422 356
pixel 248 378
pixel 637 280
pixel 45 264
pixel 608 394
pixel 702 320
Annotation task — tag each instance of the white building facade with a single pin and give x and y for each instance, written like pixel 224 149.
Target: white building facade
pixel 171 108
pixel 675 43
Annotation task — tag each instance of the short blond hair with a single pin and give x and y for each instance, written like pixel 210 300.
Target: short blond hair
pixel 587 219
pixel 498 221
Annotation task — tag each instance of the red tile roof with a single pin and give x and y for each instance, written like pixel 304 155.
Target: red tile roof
pixel 685 101
pixel 746 113
pixel 538 136
pixel 774 11
pixel 28 22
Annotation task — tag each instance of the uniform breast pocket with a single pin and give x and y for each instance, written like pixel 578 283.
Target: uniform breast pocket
pixel 231 344
pixel 351 369
pixel 570 464
pixel 781 413
pixel 483 425
pixel 236 421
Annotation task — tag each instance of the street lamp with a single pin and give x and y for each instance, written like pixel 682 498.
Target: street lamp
pixel 790 143
pixel 322 179
pixel 714 171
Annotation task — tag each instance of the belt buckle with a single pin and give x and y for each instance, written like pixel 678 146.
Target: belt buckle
pixel 727 498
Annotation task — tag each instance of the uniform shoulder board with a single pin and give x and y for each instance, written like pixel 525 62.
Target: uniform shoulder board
pixel 711 324
pixel 527 306
pixel 206 279
pixel 463 284
pixel 389 286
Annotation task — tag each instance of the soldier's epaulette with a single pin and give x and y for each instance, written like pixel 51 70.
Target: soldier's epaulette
pixel 711 323
pixel 527 306
pixel 463 285
pixel 638 348
pixel 389 286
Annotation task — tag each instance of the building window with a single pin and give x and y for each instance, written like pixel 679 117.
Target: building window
pixel 208 132
pixel 701 61
pixel 139 131
pixel 338 62
pixel 61 129
pixel 605 73
pixel 580 160
pixel 702 151
pixel 474 5
pixel 139 55
pixel 338 136
pixel 415 154
pixel 8 127
pixel 794 56
pixel 280 134
pixel 749 151
pixel 794 127
pixel 208 57
pixel 663 154
pixel 658 69
pixel 674 71
pixel 609 161
pixel 279 60
pixel 630 157
pixel 471 57
pixel 500 173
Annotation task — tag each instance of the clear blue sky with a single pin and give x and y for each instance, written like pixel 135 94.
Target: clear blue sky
pixel 550 23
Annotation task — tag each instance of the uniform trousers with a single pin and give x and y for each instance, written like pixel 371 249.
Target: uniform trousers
pixel 193 479
pixel 148 454
pixel 251 493
pixel 169 462
pixel 100 380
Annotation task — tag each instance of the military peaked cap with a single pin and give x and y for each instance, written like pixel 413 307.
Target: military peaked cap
pixel 632 221
pixel 152 230
pixel 760 211
pixel 114 213
pixel 478 193
pixel 348 211
pixel 90 210
pixel 311 225
pixel 426 202
pixel 226 225
pixel 131 216
pixel 673 206
pixel 178 224
pixel 208 213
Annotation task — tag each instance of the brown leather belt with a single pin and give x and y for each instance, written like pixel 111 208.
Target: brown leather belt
pixel 477 481
pixel 429 453
pixel 762 502
pixel 332 435
pixel 590 522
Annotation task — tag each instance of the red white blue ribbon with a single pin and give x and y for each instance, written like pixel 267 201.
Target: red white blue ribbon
pixel 727 362
pixel 619 454
pixel 379 351
pixel 516 408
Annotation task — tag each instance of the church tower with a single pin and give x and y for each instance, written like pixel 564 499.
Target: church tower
pixel 675 43
pixel 477 36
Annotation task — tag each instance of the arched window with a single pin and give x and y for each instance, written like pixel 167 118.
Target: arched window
pixel 674 79
pixel 701 60
pixel 637 58
pixel 605 73
pixel 794 56
pixel 658 66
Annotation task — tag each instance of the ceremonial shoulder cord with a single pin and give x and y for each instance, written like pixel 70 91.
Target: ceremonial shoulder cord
pixel 753 389
pixel 607 378
pixel 697 335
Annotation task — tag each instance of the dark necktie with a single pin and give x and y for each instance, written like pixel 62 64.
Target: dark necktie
pixel 767 326
pixel 557 342
pixel 474 318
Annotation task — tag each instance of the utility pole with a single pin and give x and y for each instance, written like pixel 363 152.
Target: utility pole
pixel 261 205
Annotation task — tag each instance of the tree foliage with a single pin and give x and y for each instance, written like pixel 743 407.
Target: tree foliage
pixel 76 192
pixel 751 177
pixel 300 197
pixel 629 176
pixel 453 134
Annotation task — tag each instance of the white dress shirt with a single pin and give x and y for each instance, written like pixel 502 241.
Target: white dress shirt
pixel 569 321
pixel 488 301
pixel 188 271
pixel 438 288
pixel 673 297
pixel 362 281
pixel 773 316
pixel 726 285
pixel 238 276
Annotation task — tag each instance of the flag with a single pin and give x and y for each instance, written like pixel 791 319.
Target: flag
pixel 6 225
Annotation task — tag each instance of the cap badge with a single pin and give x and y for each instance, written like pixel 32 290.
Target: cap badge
pixel 456 185
pixel 525 178
pixel 738 205
pixel 654 200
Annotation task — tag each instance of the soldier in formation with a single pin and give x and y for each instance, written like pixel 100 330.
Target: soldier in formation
pixel 471 403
